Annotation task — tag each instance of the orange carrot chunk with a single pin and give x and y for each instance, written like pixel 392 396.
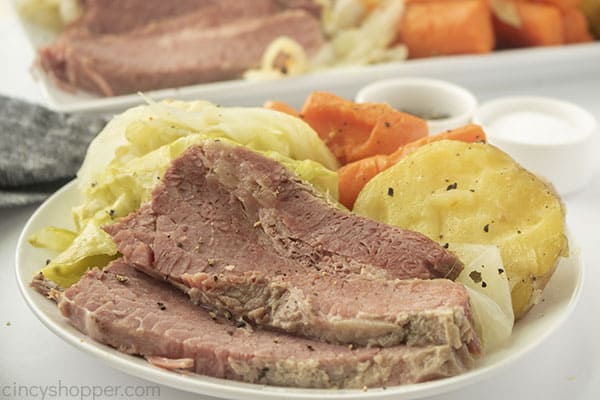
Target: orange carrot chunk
pixel 576 27
pixel 353 131
pixel 539 25
pixel 563 5
pixel 281 107
pixel 434 28
pixel 354 176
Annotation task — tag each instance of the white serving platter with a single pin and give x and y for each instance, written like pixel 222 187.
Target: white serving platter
pixel 472 71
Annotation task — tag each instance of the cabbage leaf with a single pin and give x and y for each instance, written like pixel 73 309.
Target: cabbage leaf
pixel 127 159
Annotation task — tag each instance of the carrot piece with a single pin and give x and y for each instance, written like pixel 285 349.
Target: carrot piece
pixel 563 5
pixel 540 25
pixel 281 107
pixel 353 131
pixel 433 28
pixel 354 176
pixel 591 9
pixel 576 27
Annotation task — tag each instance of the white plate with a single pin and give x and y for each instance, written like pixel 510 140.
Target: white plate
pixel 559 300
pixel 468 70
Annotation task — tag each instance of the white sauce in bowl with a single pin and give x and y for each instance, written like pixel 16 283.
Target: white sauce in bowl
pixel 533 127
pixel 552 138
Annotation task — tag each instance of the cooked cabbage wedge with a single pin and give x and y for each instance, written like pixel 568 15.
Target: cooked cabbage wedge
pixel 485 278
pixel 127 159
pixel 49 14
pixel 474 193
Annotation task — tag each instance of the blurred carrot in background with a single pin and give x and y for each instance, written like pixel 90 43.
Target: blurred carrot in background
pixel 562 5
pixel 445 27
pixel 442 27
pixel 576 27
pixel 537 24
pixel 521 23
pixel 591 9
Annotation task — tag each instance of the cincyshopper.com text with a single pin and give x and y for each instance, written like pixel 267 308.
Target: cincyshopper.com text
pixel 63 391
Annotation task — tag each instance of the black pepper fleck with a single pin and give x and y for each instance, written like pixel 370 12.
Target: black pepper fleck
pixel 309 347
pixel 161 305
pixel 240 323
pixel 486 228
pixel 500 271
pixel 452 186
pixel 391 191
pixel 180 245
pixel 446 245
pixel 263 372
pixel 48 261
pixel 387 124
pixel 484 284
pixel 475 276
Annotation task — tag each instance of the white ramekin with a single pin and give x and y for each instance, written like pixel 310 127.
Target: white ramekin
pixel 566 161
pixel 423 96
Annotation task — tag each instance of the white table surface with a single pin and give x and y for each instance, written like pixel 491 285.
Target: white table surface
pixel 566 365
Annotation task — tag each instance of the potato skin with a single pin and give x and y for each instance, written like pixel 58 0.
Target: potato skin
pixel 457 192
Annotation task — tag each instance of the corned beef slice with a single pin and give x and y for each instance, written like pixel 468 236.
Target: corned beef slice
pixel 137 314
pixel 189 49
pixel 240 234
pixel 118 16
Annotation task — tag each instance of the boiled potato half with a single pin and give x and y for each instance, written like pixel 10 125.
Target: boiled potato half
pixel 457 192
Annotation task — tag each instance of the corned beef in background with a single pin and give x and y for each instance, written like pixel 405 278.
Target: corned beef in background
pixel 120 47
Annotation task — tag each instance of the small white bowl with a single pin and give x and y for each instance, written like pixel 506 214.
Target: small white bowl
pixel 444 105
pixel 550 137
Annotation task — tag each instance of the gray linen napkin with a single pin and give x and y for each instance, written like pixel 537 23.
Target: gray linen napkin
pixel 40 150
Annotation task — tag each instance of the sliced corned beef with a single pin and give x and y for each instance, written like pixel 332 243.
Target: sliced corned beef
pixel 240 234
pixel 139 315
